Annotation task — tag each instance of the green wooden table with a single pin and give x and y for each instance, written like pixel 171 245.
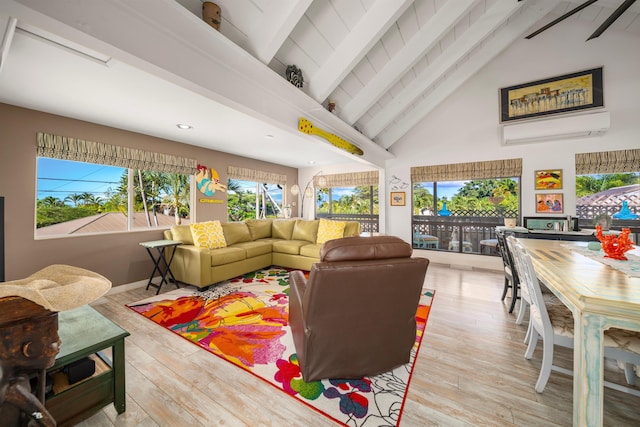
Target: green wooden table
pixel 85 332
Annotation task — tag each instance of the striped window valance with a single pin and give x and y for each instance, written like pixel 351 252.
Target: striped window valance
pixel 608 162
pixel 353 179
pixel 247 174
pixel 65 148
pixel 506 168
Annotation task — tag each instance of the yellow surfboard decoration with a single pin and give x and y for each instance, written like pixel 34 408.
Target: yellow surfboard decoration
pixel 305 126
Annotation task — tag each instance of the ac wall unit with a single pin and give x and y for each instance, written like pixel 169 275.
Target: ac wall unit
pixel 567 127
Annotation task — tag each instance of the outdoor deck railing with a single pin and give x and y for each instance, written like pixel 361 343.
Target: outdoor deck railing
pixel 470 231
pixel 458 234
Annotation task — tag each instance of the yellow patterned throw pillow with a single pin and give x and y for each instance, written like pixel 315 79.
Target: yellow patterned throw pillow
pixel 208 234
pixel 329 230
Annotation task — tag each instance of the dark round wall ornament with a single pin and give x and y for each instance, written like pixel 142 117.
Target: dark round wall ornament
pixel 294 75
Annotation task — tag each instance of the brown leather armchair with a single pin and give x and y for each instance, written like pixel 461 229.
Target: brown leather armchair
pixel 355 316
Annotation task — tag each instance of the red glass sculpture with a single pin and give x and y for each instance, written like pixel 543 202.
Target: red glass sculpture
pixel 614 246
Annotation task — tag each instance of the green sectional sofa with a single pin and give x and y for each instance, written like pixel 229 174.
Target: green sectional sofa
pixel 251 245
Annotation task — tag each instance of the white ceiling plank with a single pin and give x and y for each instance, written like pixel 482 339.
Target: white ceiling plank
pixel 408 24
pixel 309 39
pixel 328 22
pixel 278 20
pixel 502 39
pixel 376 22
pixel 467 41
pixel 425 9
pixel 377 56
pixel 406 58
pixel 349 11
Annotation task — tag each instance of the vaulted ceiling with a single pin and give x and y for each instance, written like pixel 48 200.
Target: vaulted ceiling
pixel 386 63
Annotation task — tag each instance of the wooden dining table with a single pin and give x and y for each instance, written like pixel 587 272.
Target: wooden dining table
pixel 600 297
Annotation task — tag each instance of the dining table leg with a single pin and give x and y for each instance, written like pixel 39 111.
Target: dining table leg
pixel 588 369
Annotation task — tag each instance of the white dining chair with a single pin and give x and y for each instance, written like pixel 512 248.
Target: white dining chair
pixel 554 324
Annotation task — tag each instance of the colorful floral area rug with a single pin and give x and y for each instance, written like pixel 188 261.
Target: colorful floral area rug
pixel 245 321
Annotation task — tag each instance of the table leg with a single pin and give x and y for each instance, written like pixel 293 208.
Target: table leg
pixel 588 370
pixel 120 395
pixel 169 267
pixel 155 268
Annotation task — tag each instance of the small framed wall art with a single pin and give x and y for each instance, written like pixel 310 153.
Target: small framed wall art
pixel 549 203
pixel 550 179
pixel 398 198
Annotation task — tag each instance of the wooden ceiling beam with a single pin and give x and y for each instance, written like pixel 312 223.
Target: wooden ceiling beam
pixel 378 19
pixel 422 42
pixel 482 28
pixel 486 54
pixel 278 22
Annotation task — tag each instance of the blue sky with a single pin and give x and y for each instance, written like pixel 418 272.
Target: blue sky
pixel 59 178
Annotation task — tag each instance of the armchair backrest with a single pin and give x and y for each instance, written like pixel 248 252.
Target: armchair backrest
pixel 363 294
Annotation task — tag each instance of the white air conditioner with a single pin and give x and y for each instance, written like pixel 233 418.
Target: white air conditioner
pixel 579 126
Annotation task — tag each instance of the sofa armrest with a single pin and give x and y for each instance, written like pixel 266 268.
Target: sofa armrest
pixel 192 265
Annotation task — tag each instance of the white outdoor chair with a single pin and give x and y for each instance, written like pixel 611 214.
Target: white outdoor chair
pixel 554 324
pixel 454 243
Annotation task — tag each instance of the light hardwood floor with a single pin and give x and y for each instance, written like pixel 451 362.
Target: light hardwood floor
pixel 470 371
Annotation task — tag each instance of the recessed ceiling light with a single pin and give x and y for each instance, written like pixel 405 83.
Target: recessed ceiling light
pixel 269 135
pixel 312 162
pixel 183 126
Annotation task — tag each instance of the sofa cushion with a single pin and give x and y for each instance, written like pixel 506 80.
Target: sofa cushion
pixel 305 230
pixel 289 246
pixel 352 228
pixel 329 230
pixel 208 234
pixel 282 228
pixel 312 250
pixel 182 233
pixel 254 249
pixel 236 232
pixel 259 228
pixel 227 255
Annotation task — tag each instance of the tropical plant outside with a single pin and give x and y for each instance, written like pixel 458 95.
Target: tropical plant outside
pixel 485 197
pixel 361 200
pixel 159 192
pixel 242 199
pixel 591 184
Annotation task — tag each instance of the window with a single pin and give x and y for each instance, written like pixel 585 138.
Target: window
pixel 349 196
pixel 249 199
pixel 348 200
pixel 608 188
pixel 80 197
pixel 459 210
pixel 253 193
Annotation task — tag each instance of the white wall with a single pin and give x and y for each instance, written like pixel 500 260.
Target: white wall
pixel 466 127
